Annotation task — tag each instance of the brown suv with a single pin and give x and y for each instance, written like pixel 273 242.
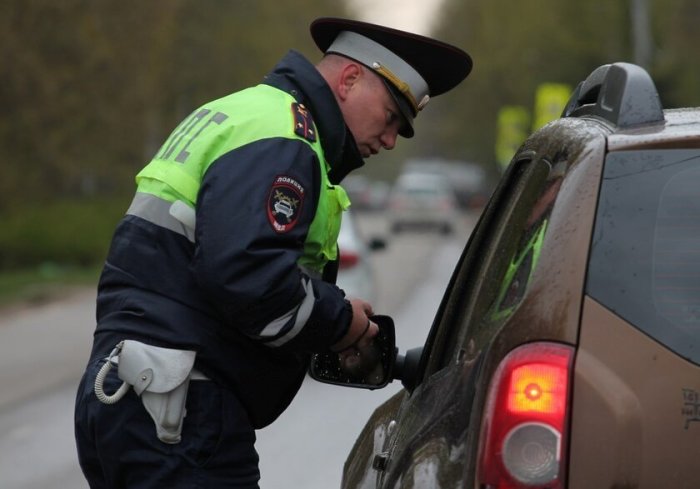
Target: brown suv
pixel 566 350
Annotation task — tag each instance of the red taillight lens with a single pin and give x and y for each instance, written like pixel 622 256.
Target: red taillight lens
pixel 348 259
pixel 523 433
pixel 537 388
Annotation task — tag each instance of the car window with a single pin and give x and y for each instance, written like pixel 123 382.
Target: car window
pixel 645 255
pixel 497 265
pixel 514 268
pixel 522 263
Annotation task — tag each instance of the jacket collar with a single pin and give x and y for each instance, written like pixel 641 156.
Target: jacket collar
pixel 297 76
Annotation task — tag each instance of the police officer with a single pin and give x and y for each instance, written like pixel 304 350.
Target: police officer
pixel 219 282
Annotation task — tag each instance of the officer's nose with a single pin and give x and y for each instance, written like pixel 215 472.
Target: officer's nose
pixel 388 138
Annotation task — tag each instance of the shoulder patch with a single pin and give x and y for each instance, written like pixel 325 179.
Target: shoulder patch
pixel 303 123
pixel 284 203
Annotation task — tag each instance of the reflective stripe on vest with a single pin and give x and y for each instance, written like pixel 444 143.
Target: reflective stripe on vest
pixel 175 216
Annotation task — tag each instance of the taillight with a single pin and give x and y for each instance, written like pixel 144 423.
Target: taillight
pixel 348 259
pixel 524 428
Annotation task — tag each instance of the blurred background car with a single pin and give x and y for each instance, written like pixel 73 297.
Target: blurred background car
pixel 469 180
pixel 365 193
pixel 356 274
pixel 423 200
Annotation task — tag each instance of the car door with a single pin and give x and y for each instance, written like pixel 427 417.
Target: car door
pixel 427 439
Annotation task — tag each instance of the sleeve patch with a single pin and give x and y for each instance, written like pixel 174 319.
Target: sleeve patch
pixel 284 203
pixel 303 123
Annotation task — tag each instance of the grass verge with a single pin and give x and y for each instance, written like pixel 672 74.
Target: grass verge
pixel 43 284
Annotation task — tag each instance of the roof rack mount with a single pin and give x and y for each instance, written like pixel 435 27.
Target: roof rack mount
pixel 621 93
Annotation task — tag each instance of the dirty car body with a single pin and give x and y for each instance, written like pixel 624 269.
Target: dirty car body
pixel 565 352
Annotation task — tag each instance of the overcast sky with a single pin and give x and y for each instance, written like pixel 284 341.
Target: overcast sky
pixel 411 15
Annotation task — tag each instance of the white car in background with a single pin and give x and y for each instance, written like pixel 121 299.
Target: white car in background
pixel 423 200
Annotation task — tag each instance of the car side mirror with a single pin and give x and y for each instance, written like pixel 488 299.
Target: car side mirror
pixel 407 367
pixel 325 367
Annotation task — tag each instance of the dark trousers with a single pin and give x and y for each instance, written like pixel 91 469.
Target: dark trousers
pixel 118 446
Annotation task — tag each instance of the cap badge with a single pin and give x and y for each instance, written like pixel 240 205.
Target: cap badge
pixel 424 101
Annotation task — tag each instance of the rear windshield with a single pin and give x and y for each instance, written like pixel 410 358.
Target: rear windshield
pixel 645 261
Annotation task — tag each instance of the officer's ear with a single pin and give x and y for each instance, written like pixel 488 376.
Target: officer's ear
pixel 349 77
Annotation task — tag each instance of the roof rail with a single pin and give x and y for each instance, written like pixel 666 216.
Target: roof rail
pixel 621 93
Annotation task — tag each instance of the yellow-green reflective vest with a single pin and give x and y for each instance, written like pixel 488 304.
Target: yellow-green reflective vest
pixel 221 126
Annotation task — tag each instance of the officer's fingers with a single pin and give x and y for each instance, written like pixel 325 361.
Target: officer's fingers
pixel 362 304
pixel 368 338
pixel 358 327
pixel 360 317
pixel 359 307
pixel 372 331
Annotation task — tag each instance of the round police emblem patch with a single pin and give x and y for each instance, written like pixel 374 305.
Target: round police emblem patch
pixel 284 203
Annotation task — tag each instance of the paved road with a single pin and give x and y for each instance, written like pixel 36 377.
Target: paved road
pixel 43 350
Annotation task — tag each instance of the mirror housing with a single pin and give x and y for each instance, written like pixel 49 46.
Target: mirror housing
pixel 325 367
pixel 406 368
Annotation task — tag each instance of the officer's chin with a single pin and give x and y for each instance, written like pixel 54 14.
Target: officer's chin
pixel 367 152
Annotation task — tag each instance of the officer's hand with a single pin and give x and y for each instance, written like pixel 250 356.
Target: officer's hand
pixel 359 325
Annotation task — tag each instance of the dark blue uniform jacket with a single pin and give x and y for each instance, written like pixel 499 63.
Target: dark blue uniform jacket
pixel 214 295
